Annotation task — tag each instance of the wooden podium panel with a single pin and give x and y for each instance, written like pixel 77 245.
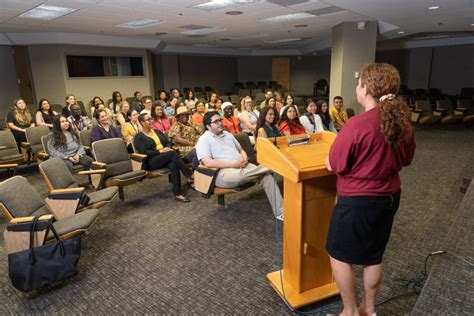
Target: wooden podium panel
pixel 309 198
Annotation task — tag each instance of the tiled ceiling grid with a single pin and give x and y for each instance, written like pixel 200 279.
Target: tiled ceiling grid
pixel 103 16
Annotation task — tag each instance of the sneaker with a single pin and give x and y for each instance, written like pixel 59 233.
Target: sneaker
pixel 280 217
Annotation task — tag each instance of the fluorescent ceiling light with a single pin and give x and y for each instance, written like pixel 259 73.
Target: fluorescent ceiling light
pixel 214 5
pixel 288 17
pixel 401 32
pixel 47 12
pixel 139 23
pixel 435 7
pixel 203 31
pixel 285 40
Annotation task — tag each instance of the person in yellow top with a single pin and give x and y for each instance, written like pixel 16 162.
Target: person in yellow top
pixel 338 115
pixel 130 129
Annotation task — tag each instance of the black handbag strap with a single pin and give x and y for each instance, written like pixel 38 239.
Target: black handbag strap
pixel 32 237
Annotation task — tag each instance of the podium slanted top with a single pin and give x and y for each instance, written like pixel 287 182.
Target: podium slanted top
pixel 296 163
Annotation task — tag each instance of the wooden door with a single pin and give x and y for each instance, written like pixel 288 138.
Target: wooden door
pixel 20 55
pixel 281 71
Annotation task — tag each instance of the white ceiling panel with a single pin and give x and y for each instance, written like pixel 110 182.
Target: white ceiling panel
pixel 102 16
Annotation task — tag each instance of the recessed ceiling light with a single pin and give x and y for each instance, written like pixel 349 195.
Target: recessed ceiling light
pixel 401 32
pixel 47 12
pixel 139 23
pixel 315 53
pixel 288 17
pixel 234 12
pixel 301 25
pixel 214 5
pixel 472 24
pixel 284 40
pixel 435 7
pixel 203 31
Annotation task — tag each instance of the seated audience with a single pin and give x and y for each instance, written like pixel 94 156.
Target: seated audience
pixel 103 129
pixel 338 115
pixel 290 123
pixel 323 112
pixel 190 100
pixel 199 114
pixel 271 102
pixel 160 120
pixel 162 98
pixel 137 103
pixel 278 101
pixel 45 114
pixel 217 148
pixel 310 120
pixel 70 100
pixel 64 143
pixel 130 129
pixel 184 136
pixel 19 119
pixel 170 108
pixel 147 105
pixel 155 145
pixel 230 122
pixel 123 116
pixel 77 121
pixel 211 103
pixel 248 117
pixel 98 104
pixel 266 126
pixel 114 104
pixel 289 100
pixel 268 95
pixel 176 94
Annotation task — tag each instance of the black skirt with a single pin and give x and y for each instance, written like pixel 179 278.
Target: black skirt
pixel 360 228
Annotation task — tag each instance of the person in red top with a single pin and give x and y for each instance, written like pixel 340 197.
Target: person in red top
pixel 290 123
pixel 367 156
pixel 231 123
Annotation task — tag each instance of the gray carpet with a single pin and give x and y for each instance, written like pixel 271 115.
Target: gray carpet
pixel 151 254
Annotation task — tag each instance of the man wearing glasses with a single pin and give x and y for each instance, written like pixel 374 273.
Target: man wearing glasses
pixel 217 148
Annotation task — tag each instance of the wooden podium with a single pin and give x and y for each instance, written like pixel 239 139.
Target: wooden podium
pixel 309 198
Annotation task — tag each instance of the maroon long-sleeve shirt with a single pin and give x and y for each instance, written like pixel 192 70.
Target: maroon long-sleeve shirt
pixel 365 164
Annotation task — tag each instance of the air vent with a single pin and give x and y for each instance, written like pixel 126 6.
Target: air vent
pixel 287 3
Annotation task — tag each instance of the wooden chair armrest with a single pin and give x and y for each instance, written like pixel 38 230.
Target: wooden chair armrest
pixel 25 144
pixel 94 171
pixel 100 164
pixel 3 147
pixel 8 165
pixel 42 155
pixel 461 109
pixel 138 155
pixel 18 220
pixel 70 190
pixel 87 147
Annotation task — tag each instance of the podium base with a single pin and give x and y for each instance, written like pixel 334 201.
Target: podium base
pixel 297 300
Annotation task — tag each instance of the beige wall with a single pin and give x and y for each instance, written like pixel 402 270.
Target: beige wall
pixel 51 80
pixel 351 50
pixel 8 81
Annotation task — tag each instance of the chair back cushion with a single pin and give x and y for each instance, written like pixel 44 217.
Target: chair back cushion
pixel 113 152
pixel 85 137
pixel 44 142
pixel 57 173
pixel 8 140
pixel 34 134
pixel 19 197
pixel 446 105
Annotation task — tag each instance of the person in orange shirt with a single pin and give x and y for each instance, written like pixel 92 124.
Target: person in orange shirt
pixel 199 114
pixel 231 123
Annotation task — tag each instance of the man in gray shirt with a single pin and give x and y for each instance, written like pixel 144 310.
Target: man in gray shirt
pixel 217 148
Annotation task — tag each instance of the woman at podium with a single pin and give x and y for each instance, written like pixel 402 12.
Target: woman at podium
pixel 367 156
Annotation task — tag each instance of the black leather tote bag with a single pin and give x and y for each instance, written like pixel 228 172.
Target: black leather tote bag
pixel 39 266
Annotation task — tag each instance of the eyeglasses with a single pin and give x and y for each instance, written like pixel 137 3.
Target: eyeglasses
pixel 216 121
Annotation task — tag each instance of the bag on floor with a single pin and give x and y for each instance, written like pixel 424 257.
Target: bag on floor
pixel 39 266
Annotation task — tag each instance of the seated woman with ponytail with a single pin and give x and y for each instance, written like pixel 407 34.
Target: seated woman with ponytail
pixel 366 156
pixel 290 123
pixel 64 143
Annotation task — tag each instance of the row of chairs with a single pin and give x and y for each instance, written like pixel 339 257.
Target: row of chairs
pixel 444 112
